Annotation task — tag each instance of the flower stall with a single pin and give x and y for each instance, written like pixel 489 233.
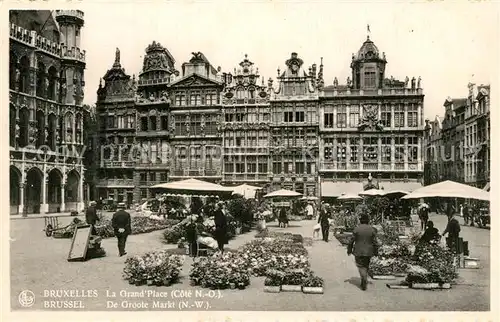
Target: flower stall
pixel 153 268
pixel 228 270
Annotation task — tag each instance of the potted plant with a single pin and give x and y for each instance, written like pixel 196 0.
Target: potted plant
pixel 273 281
pixel 292 282
pixel 238 228
pixel 313 285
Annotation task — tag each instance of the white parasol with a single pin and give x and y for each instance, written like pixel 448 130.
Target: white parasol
pixel 449 189
pixel 283 193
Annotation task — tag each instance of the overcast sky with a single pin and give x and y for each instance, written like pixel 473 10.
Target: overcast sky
pixel 443 42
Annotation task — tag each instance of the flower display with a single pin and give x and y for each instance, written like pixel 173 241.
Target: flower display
pixel 173 234
pixel 158 268
pixel 387 266
pixel 393 251
pixel 296 276
pixel 313 281
pixel 263 255
pixel 220 271
pixel 438 261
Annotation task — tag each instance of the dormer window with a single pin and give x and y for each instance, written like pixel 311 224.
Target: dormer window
pixel 370 78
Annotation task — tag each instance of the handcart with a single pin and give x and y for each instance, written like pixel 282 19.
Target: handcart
pixel 52 225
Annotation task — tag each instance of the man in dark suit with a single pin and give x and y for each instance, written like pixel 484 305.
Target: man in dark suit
pixel 324 222
pixel 91 216
pixel 453 230
pixel 363 245
pixel 121 223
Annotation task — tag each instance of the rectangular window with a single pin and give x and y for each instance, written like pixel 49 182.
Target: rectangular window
pixel 152 177
pixel 413 115
pixel 163 177
pixel 370 78
pixel 354 116
pixel 144 123
pixel 399 116
pixel 252 164
pixel 386 150
pixel 299 117
pixel 288 117
pixel 370 149
pixel 152 123
pixel 111 122
pixel 328 120
pixel 341 117
pixel 341 150
pixel 228 166
pixel 299 167
pixel 262 165
pixel 386 116
pixel 164 123
pixel 131 121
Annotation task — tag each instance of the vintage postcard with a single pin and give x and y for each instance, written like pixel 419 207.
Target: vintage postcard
pixel 264 160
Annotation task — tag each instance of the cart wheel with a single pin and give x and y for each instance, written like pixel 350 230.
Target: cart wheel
pixel 48 230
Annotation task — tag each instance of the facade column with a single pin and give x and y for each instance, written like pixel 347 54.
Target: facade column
pixel 73 135
pixel 392 115
pixel 44 207
pixel 21 197
pixel 406 149
pixel 393 152
pixel 63 194
pixel 334 153
pixel 379 152
pixel 406 115
pixel 80 205
pixel 419 155
pixel 361 153
pixel 420 116
pixel 348 152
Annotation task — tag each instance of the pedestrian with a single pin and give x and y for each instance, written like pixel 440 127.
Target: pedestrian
pixel 324 222
pixel 91 216
pixel 122 226
pixel 310 211
pixel 466 211
pixel 283 218
pixel 453 231
pixel 363 246
pixel 424 217
pixel 220 227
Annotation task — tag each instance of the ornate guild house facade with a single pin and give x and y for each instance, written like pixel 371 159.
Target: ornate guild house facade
pixel 371 127
pixel 46 114
pixel 294 127
pixel 227 128
pixel 245 125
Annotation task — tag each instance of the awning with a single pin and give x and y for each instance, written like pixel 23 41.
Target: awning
pixel 487 187
pixel 336 189
pixel 400 186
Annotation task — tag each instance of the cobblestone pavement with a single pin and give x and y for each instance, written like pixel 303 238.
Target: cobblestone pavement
pixel 39 264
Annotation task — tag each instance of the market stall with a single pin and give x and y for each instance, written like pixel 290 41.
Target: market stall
pixel 282 200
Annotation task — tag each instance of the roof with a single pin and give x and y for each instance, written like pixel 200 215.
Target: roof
pixel 457 102
pixel 177 81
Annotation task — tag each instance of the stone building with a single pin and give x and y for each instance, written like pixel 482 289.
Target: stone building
pixel 371 126
pixel 195 113
pixel 46 81
pixel 452 135
pixel 294 127
pixel 116 126
pixel 245 124
pixel 434 152
pixel 477 136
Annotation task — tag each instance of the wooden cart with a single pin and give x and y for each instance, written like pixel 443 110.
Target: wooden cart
pixel 51 225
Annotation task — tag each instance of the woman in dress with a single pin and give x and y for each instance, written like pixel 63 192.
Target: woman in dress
pixel 363 245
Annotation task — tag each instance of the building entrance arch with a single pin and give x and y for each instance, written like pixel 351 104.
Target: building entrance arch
pixel 15 190
pixel 33 193
pixel 54 190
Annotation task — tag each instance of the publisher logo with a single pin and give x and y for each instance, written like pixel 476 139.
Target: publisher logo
pixel 26 298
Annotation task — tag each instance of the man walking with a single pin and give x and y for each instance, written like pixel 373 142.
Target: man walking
pixel 363 245
pixel 324 222
pixel 91 216
pixel 122 226
pixel 424 216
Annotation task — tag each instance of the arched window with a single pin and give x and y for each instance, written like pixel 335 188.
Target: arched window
pixel 40 80
pixel 12 125
pixel 240 93
pixel 78 125
pixel 24 79
pixel 12 70
pixel 51 90
pixel 68 126
pixel 24 118
pixel 52 132
pixel 40 123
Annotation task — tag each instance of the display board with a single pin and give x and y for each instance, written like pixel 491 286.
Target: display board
pixel 80 243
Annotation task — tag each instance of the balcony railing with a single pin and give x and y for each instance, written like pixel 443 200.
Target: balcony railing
pixel 115 182
pixel 118 164
pixel 370 166
pixel 73 53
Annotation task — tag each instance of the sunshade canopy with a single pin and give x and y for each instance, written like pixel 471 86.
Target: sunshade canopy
pixel 246 190
pixel 349 197
pixel 449 189
pixel 372 192
pixel 283 193
pixel 193 187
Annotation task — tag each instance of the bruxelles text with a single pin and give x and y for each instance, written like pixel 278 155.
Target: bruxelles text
pixel 140 154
